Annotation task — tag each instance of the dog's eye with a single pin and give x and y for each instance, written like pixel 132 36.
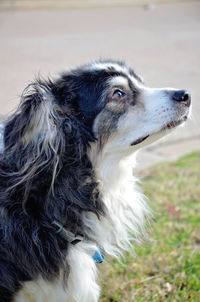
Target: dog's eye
pixel 117 95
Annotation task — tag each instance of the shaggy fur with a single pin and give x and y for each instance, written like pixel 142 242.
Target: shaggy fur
pixel 66 156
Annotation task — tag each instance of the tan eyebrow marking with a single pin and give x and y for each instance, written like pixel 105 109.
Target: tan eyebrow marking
pixel 119 81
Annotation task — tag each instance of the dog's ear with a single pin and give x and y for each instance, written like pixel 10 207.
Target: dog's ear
pixel 40 136
pixel 36 122
pixel 33 136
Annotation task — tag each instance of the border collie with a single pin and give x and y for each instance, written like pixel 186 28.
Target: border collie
pixel 67 194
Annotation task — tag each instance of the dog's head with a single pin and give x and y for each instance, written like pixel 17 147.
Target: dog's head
pixel 123 113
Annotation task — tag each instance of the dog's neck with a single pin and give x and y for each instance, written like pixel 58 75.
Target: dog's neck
pixel 125 205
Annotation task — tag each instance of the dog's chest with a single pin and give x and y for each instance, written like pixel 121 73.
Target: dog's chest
pixel 41 291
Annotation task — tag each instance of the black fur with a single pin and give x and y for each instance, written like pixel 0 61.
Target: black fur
pixel 40 184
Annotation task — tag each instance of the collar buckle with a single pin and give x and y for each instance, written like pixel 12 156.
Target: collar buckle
pixel 67 235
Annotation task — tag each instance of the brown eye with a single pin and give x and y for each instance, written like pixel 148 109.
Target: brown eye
pixel 117 95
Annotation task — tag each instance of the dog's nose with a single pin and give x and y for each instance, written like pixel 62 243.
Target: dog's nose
pixel 182 96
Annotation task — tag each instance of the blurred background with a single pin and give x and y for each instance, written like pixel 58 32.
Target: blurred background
pixel 161 41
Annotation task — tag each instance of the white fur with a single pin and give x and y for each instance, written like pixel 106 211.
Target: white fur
pixel 42 291
pixel 119 80
pixel 82 281
pixel 42 126
pixel 1 137
pixel 81 285
pixel 125 205
pixel 104 66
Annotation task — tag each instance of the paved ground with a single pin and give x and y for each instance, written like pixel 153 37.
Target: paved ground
pixel 161 41
pixel 38 4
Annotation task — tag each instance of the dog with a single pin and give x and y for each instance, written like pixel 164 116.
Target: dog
pixel 68 197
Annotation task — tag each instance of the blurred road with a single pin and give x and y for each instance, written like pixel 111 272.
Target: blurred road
pixel 162 43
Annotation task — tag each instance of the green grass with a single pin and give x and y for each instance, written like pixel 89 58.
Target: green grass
pixel 166 268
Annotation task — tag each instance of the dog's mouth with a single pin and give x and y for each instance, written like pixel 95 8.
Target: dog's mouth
pixel 174 124
pixel 140 140
pixel 170 125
